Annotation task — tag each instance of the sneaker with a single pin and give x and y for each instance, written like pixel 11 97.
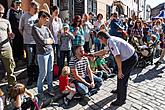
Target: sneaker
pixel 111 75
pixel 66 100
pixel 86 98
pixel 117 103
pixel 158 62
pixel 51 93
pixel 114 91
pixel 41 97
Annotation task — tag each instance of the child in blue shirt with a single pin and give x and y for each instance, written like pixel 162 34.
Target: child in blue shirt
pixel 65 44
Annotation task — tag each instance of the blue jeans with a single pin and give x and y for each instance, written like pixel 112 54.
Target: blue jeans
pixel 45 63
pixel 83 89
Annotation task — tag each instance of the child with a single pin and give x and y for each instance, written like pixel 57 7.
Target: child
pixel 22 99
pixel 102 66
pixel 66 87
pixel 2 98
pixel 65 44
pixel 93 65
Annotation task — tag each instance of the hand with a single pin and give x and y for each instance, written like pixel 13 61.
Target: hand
pixel 92 85
pixel 50 41
pixel 120 75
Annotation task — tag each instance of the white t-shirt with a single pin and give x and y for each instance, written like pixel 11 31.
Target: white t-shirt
pixel 120 47
pixel 57 26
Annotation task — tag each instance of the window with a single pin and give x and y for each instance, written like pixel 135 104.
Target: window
pixel 92 6
pixel 108 12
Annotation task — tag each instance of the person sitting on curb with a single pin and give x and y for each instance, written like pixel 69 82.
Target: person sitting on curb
pixel 86 82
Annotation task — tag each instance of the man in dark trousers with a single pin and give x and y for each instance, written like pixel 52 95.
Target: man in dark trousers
pixel 125 57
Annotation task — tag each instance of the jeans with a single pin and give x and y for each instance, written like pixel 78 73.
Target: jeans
pixel 83 89
pixel 64 54
pixel 31 58
pixel 45 63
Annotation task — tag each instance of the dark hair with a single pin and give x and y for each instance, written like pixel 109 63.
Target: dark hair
pixel 91 13
pixel 103 34
pixel 43 14
pixel 77 18
pixel 75 48
pixel 99 15
pixel 55 8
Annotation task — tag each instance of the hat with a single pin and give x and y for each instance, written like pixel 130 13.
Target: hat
pixel 45 8
pixel 65 25
pixel 120 26
pixel 18 1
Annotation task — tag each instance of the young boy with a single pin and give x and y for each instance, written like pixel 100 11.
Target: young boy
pixel 65 44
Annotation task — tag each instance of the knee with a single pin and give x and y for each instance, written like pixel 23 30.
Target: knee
pixel 83 90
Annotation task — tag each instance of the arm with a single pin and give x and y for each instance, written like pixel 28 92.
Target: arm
pixel 29 94
pixel 119 66
pixel 100 53
pixel 21 24
pixel 39 37
pixel 18 101
pixel 78 77
pixel 90 74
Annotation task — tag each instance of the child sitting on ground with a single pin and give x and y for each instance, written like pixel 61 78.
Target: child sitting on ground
pixel 66 87
pixel 22 98
pixel 102 66
pixel 2 99
pixel 93 65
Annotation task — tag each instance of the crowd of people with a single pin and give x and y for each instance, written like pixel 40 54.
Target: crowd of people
pixel 95 51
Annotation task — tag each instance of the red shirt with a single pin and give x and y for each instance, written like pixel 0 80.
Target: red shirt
pixel 63 82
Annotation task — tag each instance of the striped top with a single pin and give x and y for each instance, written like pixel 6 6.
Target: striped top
pixel 80 65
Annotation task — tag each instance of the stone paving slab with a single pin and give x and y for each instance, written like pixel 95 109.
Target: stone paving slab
pixel 145 92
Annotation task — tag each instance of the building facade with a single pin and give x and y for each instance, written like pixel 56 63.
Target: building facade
pixel 69 8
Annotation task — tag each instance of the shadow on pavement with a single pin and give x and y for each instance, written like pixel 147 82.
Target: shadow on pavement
pixel 104 102
pixel 149 75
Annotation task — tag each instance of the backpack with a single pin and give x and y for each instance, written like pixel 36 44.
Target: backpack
pixel 55 70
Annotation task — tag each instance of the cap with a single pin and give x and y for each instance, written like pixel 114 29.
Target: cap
pixel 45 8
pixel 65 25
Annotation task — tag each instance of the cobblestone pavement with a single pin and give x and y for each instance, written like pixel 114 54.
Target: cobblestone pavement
pixel 145 92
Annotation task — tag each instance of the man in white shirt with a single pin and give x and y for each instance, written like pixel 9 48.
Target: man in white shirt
pixel 125 57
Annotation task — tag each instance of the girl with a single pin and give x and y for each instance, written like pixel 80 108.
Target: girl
pixel 22 99
pixel 65 86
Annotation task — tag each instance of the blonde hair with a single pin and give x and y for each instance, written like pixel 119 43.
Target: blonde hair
pixel 65 71
pixel 16 90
